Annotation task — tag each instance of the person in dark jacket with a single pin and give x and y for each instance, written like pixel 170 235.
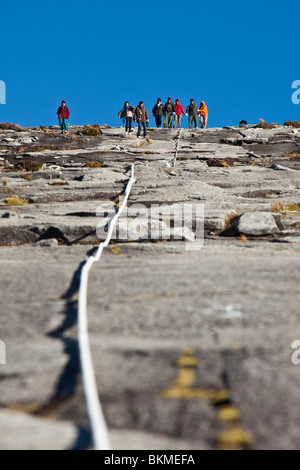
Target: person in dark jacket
pixel 169 110
pixel 141 117
pixel 127 114
pixel 192 111
pixel 157 112
pixel 63 116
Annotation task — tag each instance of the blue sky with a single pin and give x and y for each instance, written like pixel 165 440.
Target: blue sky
pixel 240 57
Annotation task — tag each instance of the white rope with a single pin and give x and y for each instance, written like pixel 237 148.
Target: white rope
pixel 176 148
pixel 94 409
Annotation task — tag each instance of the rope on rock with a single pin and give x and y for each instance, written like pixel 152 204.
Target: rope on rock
pixel 97 421
pixel 176 148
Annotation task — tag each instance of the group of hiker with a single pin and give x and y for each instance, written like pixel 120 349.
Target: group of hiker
pixel 172 115
pixel 138 114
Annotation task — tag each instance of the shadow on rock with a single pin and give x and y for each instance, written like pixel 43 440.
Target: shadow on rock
pixel 67 382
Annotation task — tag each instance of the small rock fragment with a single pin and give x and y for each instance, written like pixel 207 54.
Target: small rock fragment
pixel 280 167
pixel 48 243
pixel 7 214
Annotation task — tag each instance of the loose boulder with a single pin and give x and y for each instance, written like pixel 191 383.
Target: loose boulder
pixel 257 223
pixel 47 243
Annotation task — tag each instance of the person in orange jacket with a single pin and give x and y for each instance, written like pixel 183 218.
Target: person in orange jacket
pixel 203 115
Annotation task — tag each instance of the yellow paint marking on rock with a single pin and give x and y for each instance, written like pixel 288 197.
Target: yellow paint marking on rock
pixel 228 413
pixel 116 250
pixel 184 393
pixel 186 361
pixel 219 396
pixel 186 378
pixel 230 447
pixel 188 352
pixel 234 436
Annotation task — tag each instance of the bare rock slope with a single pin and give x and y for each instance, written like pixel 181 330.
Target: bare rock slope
pixel 191 331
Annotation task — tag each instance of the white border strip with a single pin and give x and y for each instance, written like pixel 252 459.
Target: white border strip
pixel 94 409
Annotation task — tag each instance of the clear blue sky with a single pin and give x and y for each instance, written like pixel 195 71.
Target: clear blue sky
pixel 240 57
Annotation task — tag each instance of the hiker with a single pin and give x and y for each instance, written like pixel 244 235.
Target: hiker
pixel 157 112
pixel 192 111
pixel 127 114
pixel 169 110
pixel 178 112
pixel 203 115
pixel 63 116
pixel 141 117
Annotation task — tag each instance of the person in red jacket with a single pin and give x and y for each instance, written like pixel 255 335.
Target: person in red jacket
pixel 178 113
pixel 63 116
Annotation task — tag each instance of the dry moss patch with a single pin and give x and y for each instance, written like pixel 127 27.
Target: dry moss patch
pixel 27 177
pixel 28 165
pixel 15 201
pixel 225 162
pixel 293 156
pixel 285 209
pixel 93 165
pixel 231 218
pixel 41 148
pixel 264 125
pixel 10 127
pixel 292 124
pixel 93 130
